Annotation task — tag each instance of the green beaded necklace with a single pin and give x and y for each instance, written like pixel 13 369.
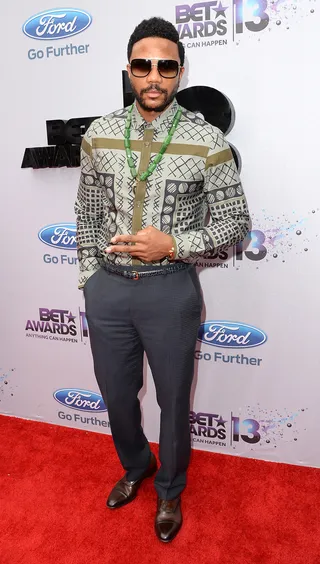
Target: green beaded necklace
pixel 151 168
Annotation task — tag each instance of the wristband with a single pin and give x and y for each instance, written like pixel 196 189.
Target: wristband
pixel 171 253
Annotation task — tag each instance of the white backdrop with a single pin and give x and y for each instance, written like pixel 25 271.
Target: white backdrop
pixel 259 401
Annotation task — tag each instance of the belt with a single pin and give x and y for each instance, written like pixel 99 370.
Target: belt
pixel 151 271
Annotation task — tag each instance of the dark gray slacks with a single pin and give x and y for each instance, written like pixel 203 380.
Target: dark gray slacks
pixel 161 316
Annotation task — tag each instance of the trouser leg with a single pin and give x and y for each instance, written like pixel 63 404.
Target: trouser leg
pixel 118 364
pixel 167 316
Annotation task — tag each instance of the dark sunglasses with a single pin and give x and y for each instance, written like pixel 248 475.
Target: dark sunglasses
pixel 167 68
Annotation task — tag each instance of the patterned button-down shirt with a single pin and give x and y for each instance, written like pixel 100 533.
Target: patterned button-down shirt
pixel 196 175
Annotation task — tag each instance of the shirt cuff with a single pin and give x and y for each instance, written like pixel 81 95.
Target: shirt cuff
pixel 181 246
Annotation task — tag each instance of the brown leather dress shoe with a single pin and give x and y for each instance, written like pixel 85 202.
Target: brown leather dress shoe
pixel 125 491
pixel 168 519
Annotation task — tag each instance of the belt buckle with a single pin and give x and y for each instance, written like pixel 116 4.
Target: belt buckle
pixel 135 275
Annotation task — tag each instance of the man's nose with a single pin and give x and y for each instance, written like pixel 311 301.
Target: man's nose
pixel 154 75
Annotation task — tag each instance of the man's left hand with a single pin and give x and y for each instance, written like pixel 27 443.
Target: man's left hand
pixel 149 244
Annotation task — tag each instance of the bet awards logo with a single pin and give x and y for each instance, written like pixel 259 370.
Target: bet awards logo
pixel 64 140
pixel 195 21
pixel 254 425
pixel 204 20
pixel 58 325
pixel 214 429
pixel 252 248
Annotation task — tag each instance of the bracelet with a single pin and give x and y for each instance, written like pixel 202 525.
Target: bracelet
pixel 171 253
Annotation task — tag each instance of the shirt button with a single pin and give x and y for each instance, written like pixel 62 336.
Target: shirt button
pixel 146 143
pixel 138 204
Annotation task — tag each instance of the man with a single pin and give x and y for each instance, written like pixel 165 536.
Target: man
pixel 149 174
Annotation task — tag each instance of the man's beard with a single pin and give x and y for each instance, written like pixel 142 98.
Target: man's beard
pixel 167 98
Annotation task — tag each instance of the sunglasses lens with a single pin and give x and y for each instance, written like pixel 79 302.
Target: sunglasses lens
pixel 140 67
pixel 168 68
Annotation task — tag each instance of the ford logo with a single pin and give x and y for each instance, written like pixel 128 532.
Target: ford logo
pixel 228 334
pixel 56 24
pixel 83 400
pixel 59 235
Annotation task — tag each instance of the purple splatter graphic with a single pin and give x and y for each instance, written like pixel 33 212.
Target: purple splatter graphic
pixel 277 426
pixel 282 236
pixel 283 15
pixel 6 384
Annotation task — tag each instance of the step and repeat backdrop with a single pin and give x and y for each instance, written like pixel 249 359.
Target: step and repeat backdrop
pixel 256 387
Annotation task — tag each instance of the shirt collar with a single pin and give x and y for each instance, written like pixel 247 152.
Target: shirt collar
pixel 162 123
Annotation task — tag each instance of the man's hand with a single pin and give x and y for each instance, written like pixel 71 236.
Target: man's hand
pixel 149 244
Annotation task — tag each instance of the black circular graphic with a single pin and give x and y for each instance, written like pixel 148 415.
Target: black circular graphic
pixel 215 107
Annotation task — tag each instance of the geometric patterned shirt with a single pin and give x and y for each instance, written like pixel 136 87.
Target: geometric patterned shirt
pixel 194 194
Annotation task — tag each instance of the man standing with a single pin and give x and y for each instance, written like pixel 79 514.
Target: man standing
pixel 149 174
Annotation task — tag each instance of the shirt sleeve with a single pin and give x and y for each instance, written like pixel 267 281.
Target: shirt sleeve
pixel 228 211
pixel 89 213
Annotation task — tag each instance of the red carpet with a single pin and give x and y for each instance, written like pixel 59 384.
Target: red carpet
pixel 54 482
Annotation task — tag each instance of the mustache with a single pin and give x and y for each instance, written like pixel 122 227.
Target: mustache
pixel 153 87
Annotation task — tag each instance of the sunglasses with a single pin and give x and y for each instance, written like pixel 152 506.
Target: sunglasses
pixel 167 68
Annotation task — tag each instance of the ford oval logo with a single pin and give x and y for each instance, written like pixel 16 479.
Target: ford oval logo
pixel 83 400
pixel 56 24
pixel 59 235
pixel 228 334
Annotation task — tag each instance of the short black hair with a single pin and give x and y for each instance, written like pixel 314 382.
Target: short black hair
pixel 156 27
